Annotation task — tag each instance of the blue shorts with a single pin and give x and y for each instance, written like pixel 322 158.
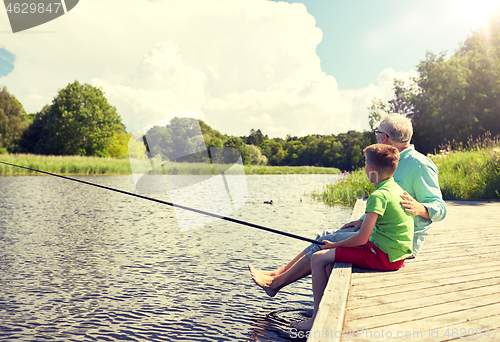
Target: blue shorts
pixel 337 236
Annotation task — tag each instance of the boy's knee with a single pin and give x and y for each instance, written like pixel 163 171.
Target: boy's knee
pixel 320 257
pixel 316 257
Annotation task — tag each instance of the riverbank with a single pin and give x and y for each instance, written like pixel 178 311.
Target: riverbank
pixel 470 175
pixel 79 165
pixel 463 174
pixel 63 165
pixel 346 190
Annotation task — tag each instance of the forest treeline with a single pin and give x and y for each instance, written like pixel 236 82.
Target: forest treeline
pixel 451 100
pixel 80 121
pixel 343 151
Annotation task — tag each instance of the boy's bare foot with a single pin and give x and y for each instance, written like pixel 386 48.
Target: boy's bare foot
pixel 270 273
pixel 263 280
pixel 304 325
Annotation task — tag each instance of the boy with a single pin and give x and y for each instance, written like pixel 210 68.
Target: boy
pixel 385 238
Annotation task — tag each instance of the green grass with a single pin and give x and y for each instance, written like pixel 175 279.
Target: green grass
pixel 78 165
pixel 346 190
pixel 286 170
pixel 64 165
pixel 470 170
pixel 469 174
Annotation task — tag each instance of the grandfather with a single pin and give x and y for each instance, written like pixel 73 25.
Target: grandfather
pixel 416 174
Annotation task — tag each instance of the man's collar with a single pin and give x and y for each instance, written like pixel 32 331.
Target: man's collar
pixel 406 150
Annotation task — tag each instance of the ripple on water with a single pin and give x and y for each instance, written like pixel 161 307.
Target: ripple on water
pixel 85 264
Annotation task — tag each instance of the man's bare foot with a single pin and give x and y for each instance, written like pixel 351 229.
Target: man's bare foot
pixel 265 281
pixel 304 325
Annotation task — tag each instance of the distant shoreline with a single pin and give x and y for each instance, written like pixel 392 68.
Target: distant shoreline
pixel 94 166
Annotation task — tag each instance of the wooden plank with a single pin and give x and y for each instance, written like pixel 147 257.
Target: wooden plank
pixel 422 270
pixel 415 268
pixel 476 329
pixel 429 317
pixel 363 275
pixel 378 301
pixel 359 208
pixel 402 290
pixel 453 284
pixel 332 307
pixel 426 301
pixel 331 312
pixel 439 326
pixel 423 280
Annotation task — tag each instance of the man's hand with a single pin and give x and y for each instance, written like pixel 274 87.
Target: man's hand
pixel 328 244
pixel 355 225
pixel 412 206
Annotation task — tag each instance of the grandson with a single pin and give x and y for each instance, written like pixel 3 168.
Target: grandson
pixel 385 238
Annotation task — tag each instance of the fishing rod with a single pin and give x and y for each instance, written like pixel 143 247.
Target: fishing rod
pixel 176 205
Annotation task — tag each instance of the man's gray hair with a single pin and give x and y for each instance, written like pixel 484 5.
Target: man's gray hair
pixel 397 127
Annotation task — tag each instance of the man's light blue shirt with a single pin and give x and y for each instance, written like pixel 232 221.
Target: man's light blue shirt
pixel 418 175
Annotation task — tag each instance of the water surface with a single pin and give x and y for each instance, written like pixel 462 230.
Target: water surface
pixel 82 263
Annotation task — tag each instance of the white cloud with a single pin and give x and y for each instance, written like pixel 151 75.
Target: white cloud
pixel 259 119
pixel 360 99
pixel 241 64
pixel 162 85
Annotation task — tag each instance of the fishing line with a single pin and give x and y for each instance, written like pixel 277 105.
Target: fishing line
pixel 175 205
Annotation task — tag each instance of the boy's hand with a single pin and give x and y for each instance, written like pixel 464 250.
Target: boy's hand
pixel 355 225
pixel 328 244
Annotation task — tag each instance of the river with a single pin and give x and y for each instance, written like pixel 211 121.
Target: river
pixel 82 263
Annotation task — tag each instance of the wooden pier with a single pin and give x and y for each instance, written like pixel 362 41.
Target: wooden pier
pixel 451 291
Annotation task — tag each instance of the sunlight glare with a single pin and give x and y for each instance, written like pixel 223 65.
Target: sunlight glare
pixel 478 12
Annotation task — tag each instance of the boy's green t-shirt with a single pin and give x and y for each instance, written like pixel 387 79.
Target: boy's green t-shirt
pixel 393 231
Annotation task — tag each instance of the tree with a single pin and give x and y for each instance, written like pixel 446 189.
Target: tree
pixel 460 96
pixel 80 121
pixel 256 156
pixel 36 139
pixel 181 140
pixel 212 137
pixel 400 104
pixel 239 145
pixel 13 120
pixel 335 156
pixel 119 147
pixel 273 150
pixel 457 97
pixel 256 137
pixel 136 147
pixel 294 153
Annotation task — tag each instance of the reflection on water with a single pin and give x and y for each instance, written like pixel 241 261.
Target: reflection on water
pixel 83 263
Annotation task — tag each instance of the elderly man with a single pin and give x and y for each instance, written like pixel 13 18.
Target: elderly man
pixel 416 174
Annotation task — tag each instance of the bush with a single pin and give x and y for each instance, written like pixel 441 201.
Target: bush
pixel 469 174
pixel 256 156
pixel 471 170
pixel 347 189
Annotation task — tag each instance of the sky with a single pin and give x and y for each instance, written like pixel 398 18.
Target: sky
pixel 296 67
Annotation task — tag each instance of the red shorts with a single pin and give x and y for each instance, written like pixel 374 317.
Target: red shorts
pixel 367 256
